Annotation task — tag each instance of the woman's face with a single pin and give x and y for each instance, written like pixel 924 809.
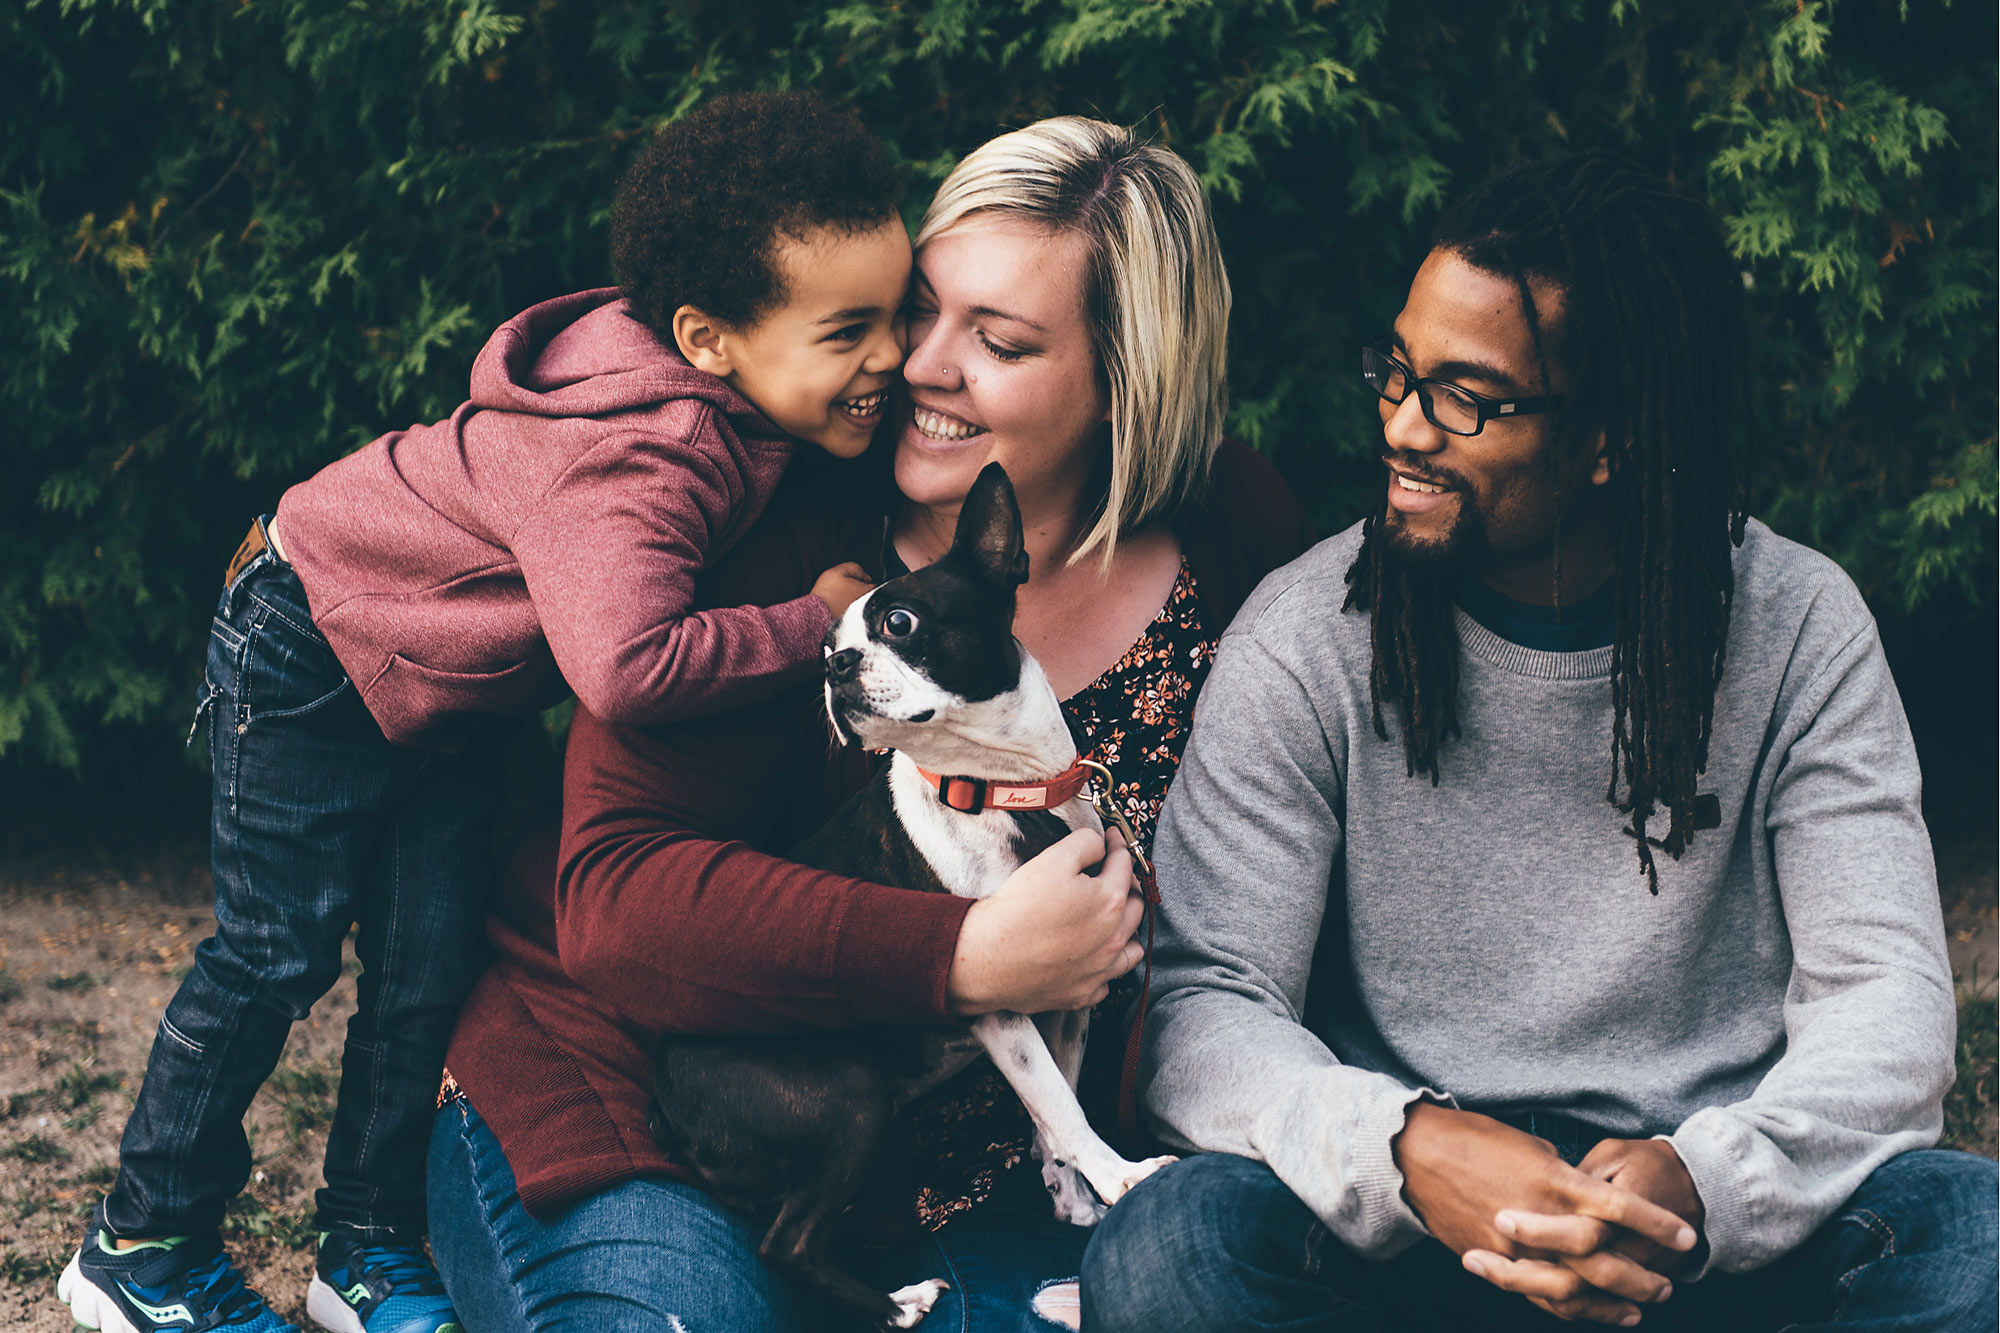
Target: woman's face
pixel 1001 368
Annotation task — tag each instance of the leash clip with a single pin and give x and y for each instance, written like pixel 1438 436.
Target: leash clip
pixel 1108 811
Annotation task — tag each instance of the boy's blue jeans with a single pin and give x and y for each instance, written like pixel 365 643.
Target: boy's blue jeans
pixel 1218 1242
pixel 319 823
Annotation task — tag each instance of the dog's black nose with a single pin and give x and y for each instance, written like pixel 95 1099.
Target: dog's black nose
pixel 841 666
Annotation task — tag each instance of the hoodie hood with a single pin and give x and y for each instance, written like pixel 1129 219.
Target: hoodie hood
pixel 585 355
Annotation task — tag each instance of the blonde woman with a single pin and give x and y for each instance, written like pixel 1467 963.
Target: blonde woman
pixel 1068 319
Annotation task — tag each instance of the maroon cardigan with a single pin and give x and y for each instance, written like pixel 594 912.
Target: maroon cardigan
pixel 666 905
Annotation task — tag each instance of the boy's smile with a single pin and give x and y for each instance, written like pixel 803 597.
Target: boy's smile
pixel 820 364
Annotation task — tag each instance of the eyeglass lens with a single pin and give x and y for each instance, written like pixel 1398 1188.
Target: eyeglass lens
pixel 1444 406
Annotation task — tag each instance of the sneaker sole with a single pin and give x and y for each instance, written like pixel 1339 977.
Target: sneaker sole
pixel 325 1308
pixel 89 1306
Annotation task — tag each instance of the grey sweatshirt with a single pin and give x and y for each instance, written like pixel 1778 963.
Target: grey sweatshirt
pixel 1337 935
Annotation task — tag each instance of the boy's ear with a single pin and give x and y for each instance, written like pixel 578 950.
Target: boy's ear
pixel 703 341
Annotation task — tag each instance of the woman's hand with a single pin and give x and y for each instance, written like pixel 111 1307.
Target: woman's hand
pixel 1054 936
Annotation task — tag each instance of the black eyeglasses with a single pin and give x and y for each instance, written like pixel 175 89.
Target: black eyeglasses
pixel 1446 406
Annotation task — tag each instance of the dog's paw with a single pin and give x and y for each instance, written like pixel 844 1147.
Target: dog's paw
pixel 1075 1202
pixel 1140 1170
pixel 914 1302
pixel 1114 1178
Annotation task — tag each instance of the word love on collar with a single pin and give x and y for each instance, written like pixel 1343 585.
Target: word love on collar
pixel 971 795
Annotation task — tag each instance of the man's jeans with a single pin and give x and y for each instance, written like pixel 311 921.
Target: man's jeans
pixel 1216 1243
pixel 318 823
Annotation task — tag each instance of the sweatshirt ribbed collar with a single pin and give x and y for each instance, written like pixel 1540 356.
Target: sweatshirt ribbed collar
pixel 1590 664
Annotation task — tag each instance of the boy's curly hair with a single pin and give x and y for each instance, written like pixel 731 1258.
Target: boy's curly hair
pixel 699 216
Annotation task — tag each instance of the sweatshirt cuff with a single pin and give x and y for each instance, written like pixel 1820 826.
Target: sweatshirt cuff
pixel 1709 1147
pixel 1389 1222
pixel 896 946
pixel 801 625
pixel 1347 1173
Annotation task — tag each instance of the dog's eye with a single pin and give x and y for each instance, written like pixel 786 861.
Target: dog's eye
pixel 899 624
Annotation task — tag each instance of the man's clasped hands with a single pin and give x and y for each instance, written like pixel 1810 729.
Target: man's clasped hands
pixel 1592 1241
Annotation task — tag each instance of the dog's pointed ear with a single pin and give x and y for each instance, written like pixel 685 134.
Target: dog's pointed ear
pixel 989 529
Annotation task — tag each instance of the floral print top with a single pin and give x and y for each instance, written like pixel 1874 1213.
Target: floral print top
pixel 1134 720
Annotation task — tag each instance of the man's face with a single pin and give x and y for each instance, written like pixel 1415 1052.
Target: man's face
pixel 1487 502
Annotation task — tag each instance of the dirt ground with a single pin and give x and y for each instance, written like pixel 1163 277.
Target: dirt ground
pixel 92 949
pixel 89 955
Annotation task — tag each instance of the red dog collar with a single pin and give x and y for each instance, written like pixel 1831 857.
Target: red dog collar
pixel 971 795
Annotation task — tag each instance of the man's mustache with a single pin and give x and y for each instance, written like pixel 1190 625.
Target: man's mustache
pixel 1411 465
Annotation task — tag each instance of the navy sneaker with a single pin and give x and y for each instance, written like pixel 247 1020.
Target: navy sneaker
pixel 182 1283
pixel 362 1288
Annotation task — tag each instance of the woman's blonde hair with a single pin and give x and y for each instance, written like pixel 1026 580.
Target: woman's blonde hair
pixel 1157 299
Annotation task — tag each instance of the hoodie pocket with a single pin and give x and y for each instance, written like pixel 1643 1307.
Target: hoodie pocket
pixel 408 697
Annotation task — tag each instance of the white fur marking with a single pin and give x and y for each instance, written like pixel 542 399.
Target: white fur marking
pixel 1015 736
pixel 1061 1131
pixel 915 1301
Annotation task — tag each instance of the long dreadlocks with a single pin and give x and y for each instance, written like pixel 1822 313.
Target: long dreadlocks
pixel 1653 339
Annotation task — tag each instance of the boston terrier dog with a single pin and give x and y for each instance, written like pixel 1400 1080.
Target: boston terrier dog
pixel 786 1130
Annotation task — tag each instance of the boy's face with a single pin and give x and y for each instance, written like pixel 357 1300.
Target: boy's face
pixel 820 366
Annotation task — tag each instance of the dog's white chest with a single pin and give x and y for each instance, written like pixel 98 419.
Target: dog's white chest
pixel 972 855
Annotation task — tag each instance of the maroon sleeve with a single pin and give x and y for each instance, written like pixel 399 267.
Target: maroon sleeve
pixel 667 911
pixel 1248 524
pixel 610 556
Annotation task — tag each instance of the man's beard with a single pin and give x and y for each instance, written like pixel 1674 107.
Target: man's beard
pixel 1462 546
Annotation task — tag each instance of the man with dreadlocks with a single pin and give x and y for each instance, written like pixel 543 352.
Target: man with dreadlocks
pixel 1548 908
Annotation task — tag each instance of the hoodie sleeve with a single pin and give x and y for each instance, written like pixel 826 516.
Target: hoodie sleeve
pixel 610 556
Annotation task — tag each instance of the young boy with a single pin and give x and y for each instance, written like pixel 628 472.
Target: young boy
pixel 403 601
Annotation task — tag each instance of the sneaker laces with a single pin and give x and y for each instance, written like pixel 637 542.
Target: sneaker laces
pixel 408 1272
pixel 220 1288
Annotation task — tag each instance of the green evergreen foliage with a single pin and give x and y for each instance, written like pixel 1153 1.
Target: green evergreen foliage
pixel 242 238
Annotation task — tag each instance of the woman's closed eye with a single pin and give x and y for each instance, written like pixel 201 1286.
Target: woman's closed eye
pixel 1000 351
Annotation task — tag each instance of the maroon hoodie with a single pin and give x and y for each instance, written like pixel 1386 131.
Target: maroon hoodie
pixel 550 530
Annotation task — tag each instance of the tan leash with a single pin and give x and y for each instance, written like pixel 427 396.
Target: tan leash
pixel 1149 890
